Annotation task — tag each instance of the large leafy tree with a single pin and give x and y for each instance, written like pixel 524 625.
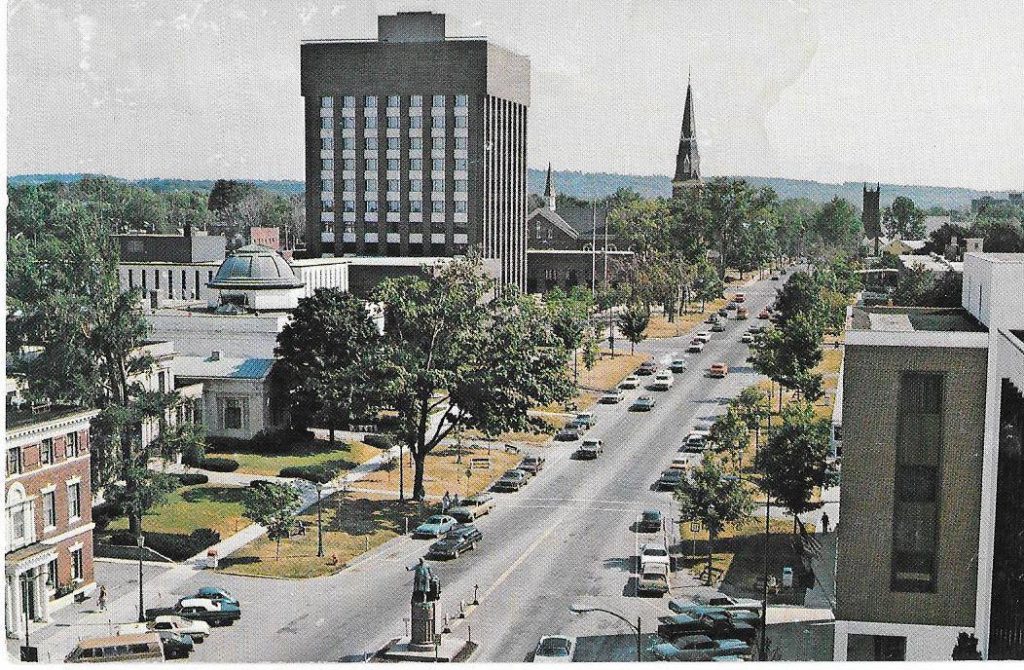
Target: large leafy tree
pixel 714 499
pixel 633 322
pixel 461 359
pixel 837 227
pixel 752 407
pixel 730 435
pixel 708 285
pixel 274 506
pixel 794 460
pixel 332 355
pixel 903 219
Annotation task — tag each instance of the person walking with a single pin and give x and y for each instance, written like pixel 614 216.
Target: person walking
pixel 445 502
pixel 824 523
pixel 101 599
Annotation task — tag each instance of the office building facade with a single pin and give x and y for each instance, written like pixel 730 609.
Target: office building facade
pixel 416 145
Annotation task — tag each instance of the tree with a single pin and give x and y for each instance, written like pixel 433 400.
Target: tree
pixel 903 219
pixel 714 499
pixel 149 490
pixel 633 322
pixel 708 284
pixel 752 407
pixel 274 506
pixel 793 461
pixel 591 349
pixel 461 360
pixel 333 356
pixel 837 227
pixel 730 435
pixel 227 193
pixel 570 316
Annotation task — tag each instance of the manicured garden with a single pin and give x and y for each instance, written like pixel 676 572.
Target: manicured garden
pixel 308 455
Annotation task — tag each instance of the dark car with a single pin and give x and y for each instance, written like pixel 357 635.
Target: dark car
pixel 679 625
pixel 460 539
pixel 175 645
pixel 531 464
pixel 590 450
pixel 650 521
pixel 578 425
pixel 721 626
pixel 200 609
pixel 718 327
pixel 723 312
pixel 513 480
pixel 646 368
pixel 568 434
pixel 669 480
pixel 644 403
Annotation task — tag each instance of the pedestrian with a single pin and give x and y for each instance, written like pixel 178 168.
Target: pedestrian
pixel 101 599
pixel 333 560
pixel 824 523
pixel 445 502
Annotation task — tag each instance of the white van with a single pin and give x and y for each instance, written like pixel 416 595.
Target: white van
pixel 143 647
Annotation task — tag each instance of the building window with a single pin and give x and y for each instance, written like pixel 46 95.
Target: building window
pixel 437 164
pixel 348 122
pixel 74 501
pixel 394 101
pixel 16 519
pixel 370 121
pixel 161 381
pixel 348 185
pixel 51 574
pixel 394 206
pixel 328 185
pixel 50 509
pixel 327 101
pixel 371 165
pixel 348 143
pixel 437 206
pixel 371 206
pixel 233 413
pixel 131 278
pixel 416 206
pixel 348 164
pixel 461 121
pixel 415 121
pixel 370 101
pixel 416 185
pixel 371 185
pixel 349 205
pixel 371 143
pixel 438 143
pixel 393 122
pixel 415 100
pixel 437 185
pixel 437 122
pixel 915 513
pixel 326 123
pixel 437 101
pixel 461 164
pixel 461 185
pixel 461 207
pixel 394 185
pixel 46 451
pixel 71 445
pixel 462 101
pixel 416 143
pixel 415 163
pixel 327 143
pixel 348 101
pixel 393 143
pixel 327 205
pixel 327 164
pixel 77 567
pixel 392 163
pixel 461 142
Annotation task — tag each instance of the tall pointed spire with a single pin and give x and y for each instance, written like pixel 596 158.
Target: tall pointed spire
pixel 549 190
pixel 687 158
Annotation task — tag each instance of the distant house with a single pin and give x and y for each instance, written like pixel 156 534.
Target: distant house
pixel 893 246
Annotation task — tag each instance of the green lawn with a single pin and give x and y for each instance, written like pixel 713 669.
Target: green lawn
pixel 315 452
pixel 190 508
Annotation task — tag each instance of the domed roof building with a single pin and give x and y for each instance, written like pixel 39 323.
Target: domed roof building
pixel 257 278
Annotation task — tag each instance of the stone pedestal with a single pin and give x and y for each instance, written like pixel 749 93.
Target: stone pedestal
pixel 423 627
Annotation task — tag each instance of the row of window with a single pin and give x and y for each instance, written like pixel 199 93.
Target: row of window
pixel 393 143
pixel 156 274
pixel 327 101
pixel 370 186
pixel 20 516
pixel 395 206
pixel 394 122
pixel 47 453
pixel 393 165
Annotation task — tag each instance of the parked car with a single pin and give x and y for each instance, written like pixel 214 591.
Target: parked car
pixel 764 314
pixel 646 368
pixel 554 649
pixel 435 526
pixel 587 419
pixel 175 645
pixel 472 507
pixel 197 631
pixel 729 602
pixel 216 594
pixel 678 365
pixel 686 648
pixel 651 521
pixel 644 403
pixel 531 464
pixel 718 327
pixel 721 626
pixel 144 647
pixel 712 318
pixel 590 449
pixel 696 611
pixel 718 370
pixel 199 609
pixel 731 306
pixel 739 297
pixel 775 278
pixel 654 552
pixel 702 335
pixel 742 314
pixel 577 425
pixel 696 442
pixel 513 480
pixel 696 346
pixel 662 381
pixel 459 539
pixel 653 579
pixel 630 382
pixel 742 609
pixel 613 397
pixel 568 434
pixel 724 313
pixel 747 338
pixel 669 479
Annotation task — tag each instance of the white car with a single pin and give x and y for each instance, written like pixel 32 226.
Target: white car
pixel 747 338
pixel 728 602
pixel 702 335
pixel 686 462
pixel 613 397
pixel 696 346
pixel 554 649
pixel 197 630
pixel 662 381
pixel 630 382
pixel 654 552
pixel 696 440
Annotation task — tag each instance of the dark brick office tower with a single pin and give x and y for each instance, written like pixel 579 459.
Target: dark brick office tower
pixel 416 145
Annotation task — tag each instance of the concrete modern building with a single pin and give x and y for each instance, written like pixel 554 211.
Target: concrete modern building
pixel 48 557
pixel 416 145
pixel 930 542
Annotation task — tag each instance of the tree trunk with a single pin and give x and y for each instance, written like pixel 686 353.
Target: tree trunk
pixel 419 461
pixel 711 551
pixel 330 436
pixel 277 551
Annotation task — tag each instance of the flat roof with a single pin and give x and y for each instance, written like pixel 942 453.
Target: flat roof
pixel 225 367
pixel 24 417
pixel 914 319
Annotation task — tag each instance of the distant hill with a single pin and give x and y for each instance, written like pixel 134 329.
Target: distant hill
pixel 599 184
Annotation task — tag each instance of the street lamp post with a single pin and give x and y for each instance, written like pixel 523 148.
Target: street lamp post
pixel 142 610
pixel 763 644
pixel 636 627
pixel 319 522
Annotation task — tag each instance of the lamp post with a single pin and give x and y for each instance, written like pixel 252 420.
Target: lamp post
pixel 763 644
pixel 636 627
pixel 319 522
pixel 142 610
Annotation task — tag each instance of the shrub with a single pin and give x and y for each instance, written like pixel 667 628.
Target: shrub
pixel 104 513
pixel 218 464
pixel 380 440
pixel 192 478
pixel 182 547
pixel 321 473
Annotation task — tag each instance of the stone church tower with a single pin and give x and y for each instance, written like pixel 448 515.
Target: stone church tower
pixel 687 159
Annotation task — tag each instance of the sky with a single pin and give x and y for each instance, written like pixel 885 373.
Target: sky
pixel 906 92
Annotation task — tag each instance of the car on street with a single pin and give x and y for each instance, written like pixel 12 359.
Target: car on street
pixel 460 539
pixel 742 314
pixel 590 449
pixel 697 610
pixel 651 521
pixel 699 648
pixel 435 526
pixel 731 306
pixel 686 462
pixel 696 441
pixel 740 297
pixel 577 425
pixel 678 365
pixel 554 649
pixel 472 507
pixel 662 381
pixel 653 579
pixel 197 631
pixel 775 278
pixel 718 370
pixel 630 382
pixel 646 368
pixel 724 313
pixel 216 594
pixel 729 602
pixel 654 552
pixel 613 397
pixel 513 480
pixel 721 626
pixel 696 346
pixel 702 335
pixel 587 419
pixel 531 464
pixel 678 625
pixel 568 434
pixel 747 338
pixel 199 609
pixel 754 330
pixel 138 648
pixel 175 645
pixel 718 327
pixel 669 479
pixel 764 314
pixel 644 403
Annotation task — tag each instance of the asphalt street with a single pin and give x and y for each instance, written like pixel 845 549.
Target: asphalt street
pixel 565 539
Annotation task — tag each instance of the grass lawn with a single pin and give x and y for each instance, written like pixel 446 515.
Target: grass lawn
pixel 610 370
pixel 190 508
pixel 443 473
pixel 660 328
pixel 314 452
pixel 352 524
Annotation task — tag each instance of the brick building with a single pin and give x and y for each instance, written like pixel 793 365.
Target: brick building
pixel 48 557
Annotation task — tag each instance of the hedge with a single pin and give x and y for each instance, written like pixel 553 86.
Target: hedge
pixel 175 546
pixel 380 440
pixel 218 464
pixel 192 478
pixel 321 473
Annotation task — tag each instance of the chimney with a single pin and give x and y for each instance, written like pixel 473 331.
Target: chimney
pixel 215 355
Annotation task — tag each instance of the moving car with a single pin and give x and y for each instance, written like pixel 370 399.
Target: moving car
pixel 712 318
pixel 630 382
pixel 513 480
pixel 702 335
pixel 472 507
pixel 459 539
pixel 531 464
pixel 590 449
pixel 696 346
pixel 568 434
pixel 199 609
pixel 718 327
pixel 775 278
pixel 577 425
pixel 654 552
pixel 718 370
pixel 644 403
pixel 747 338
pixel 216 594
pixel 763 314
pixel 678 365
pixel 724 313
pixel 646 368
pixel 612 397
pixel 435 526
pixel 731 306
pixel 669 479
pixel 742 313
pixel 554 649
pixel 739 297
pixel 586 418
pixel 650 521
pixel 662 381
pixel 141 647
pixel 653 579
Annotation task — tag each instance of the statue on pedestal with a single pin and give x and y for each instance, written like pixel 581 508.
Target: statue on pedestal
pixel 426 589
pixel 425 586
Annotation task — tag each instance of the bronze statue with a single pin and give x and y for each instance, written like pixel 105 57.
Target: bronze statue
pixel 425 586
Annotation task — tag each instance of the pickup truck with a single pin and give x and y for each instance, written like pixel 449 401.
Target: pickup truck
pixel 199 609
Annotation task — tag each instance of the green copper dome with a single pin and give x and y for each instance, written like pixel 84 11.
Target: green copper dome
pixel 255 267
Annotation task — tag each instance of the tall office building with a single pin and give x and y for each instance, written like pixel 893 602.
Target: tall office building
pixel 416 145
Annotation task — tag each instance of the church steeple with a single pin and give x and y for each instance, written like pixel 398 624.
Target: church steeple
pixel 549 190
pixel 687 158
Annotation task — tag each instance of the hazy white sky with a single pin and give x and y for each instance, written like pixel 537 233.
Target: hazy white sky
pixel 894 91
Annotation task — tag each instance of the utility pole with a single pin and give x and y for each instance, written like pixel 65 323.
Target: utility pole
pixel 142 609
